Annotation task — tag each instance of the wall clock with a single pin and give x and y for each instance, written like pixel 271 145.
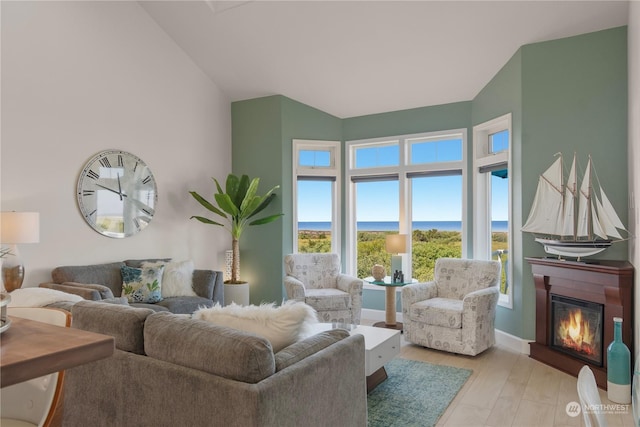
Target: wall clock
pixel 117 193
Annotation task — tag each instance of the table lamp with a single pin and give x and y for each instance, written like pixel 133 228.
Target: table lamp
pixel 396 244
pixel 17 228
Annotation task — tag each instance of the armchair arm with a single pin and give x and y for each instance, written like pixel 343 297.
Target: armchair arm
pixel 488 297
pixel 294 288
pixel 86 291
pixel 415 292
pixel 353 286
pixel 478 316
pixel 349 284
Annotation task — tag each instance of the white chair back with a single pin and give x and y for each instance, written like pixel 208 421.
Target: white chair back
pixel 590 399
pixel 32 402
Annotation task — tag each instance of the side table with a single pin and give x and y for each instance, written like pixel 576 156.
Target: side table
pixel 390 302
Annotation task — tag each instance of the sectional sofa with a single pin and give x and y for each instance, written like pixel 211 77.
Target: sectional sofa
pixel 172 370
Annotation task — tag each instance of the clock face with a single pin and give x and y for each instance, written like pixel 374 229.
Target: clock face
pixel 117 193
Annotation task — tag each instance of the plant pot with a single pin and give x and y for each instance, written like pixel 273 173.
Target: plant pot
pixel 238 293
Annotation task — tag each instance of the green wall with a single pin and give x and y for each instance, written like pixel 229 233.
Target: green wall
pixel 564 95
pixel 262 131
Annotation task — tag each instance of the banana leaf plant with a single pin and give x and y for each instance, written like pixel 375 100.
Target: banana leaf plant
pixel 238 203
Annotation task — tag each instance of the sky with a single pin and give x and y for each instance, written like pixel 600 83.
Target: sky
pixel 434 198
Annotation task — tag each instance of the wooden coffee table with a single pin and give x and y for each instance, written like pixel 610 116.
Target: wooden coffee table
pixel 381 345
pixel 31 349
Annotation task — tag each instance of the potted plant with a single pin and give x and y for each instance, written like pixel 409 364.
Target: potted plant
pixel 238 203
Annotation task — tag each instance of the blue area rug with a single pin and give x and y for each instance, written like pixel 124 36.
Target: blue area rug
pixel 415 394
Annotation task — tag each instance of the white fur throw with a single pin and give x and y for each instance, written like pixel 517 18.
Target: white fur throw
pixel 281 326
pixel 177 279
pixel 39 297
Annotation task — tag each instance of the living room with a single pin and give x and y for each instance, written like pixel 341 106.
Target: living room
pixel 81 77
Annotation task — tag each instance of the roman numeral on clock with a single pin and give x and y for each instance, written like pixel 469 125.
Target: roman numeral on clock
pixel 88 192
pixel 146 180
pixel 91 174
pixel 105 162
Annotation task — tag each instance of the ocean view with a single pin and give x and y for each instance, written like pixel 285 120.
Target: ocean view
pixel 393 225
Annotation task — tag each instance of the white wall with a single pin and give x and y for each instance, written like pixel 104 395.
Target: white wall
pixel 81 77
pixel 634 153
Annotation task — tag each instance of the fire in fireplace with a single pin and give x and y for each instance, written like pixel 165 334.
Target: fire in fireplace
pixel 577 328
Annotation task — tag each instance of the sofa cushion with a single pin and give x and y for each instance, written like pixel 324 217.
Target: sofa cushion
pixel 305 348
pixel 201 345
pixel 123 322
pixel 142 284
pixel 177 278
pixel 282 326
pixel 328 299
pixel 438 311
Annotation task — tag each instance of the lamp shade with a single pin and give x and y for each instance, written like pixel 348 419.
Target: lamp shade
pixel 20 227
pixel 396 243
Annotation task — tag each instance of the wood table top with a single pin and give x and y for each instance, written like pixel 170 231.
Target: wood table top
pixel 30 349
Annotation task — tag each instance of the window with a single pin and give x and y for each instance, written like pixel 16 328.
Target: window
pixel 411 184
pixel 316 227
pixel 492 207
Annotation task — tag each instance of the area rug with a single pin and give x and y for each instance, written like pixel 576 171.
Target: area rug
pixel 415 394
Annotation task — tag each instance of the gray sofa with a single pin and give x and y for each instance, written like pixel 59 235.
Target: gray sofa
pixel 104 282
pixel 171 370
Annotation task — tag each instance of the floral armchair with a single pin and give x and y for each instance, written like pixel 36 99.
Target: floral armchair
pixel 316 280
pixel 456 311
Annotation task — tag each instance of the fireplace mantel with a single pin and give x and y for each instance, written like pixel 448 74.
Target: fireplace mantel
pixel 601 281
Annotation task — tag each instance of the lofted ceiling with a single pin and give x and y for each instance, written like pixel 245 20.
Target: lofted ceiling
pixel 353 58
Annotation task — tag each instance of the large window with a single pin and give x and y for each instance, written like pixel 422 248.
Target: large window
pixel 410 184
pixel 492 229
pixel 316 166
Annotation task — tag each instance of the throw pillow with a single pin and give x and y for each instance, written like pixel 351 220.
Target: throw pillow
pixel 142 284
pixel 281 326
pixel 177 278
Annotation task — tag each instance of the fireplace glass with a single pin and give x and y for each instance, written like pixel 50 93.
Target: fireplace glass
pixel 577 328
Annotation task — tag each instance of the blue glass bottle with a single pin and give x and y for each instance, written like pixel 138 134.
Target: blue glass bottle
pixel 618 367
pixel 635 393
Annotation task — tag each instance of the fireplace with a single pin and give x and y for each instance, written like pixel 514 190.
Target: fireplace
pixel 576 328
pixel 575 306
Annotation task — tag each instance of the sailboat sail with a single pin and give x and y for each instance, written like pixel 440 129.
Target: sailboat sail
pixel 568 219
pixel 584 200
pixel 547 204
pixel 553 214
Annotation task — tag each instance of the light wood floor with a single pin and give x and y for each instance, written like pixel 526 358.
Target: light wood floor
pixel 510 389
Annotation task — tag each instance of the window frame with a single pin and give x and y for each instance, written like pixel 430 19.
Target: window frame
pixel 403 172
pixel 484 158
pixel 331 173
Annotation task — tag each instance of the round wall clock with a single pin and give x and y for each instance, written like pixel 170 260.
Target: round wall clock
pixel 117 193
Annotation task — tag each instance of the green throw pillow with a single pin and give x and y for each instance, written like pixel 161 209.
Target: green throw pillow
pixel 142 284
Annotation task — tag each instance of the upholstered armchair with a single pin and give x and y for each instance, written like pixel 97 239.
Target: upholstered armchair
pixel 456 311
pixel 316 280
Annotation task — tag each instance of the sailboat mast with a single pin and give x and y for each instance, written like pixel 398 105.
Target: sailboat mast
pixel 589 210
pixel 574 195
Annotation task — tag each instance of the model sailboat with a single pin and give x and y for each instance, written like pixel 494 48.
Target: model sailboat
pixel 574 221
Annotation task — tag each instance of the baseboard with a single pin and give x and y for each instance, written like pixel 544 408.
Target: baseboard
pixel 512 342
pixel 504 339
